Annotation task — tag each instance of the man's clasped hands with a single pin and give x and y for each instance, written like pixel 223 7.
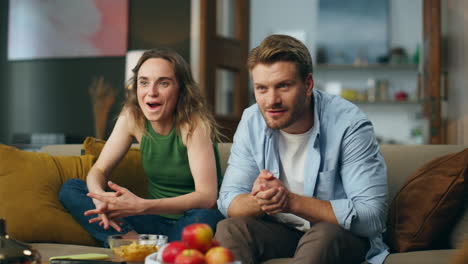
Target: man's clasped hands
pixel 270 194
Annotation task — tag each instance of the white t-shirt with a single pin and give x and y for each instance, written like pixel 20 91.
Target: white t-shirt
pixel 293 153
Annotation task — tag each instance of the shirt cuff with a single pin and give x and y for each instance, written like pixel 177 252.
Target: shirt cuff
pixel 344 212
pixel 225 200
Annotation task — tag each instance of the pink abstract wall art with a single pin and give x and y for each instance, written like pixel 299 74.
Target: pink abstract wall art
pixel 40 29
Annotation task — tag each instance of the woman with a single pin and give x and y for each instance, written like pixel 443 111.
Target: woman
pixel 166 114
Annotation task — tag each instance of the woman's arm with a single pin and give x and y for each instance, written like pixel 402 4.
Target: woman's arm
pixel 203 167
pixel 114 150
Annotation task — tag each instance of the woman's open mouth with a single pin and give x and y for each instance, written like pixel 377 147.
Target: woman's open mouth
pixel 153 106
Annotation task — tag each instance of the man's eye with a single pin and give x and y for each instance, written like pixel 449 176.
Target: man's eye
pixel 260 88
pixel 284 85
pixel 143 83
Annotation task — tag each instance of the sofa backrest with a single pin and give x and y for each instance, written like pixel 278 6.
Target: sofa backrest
pixel 62 150
pixel 402 160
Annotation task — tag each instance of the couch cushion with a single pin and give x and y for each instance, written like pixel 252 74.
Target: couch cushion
pixel 422 257
pixel 424 211
pixel 29 186
pixel 128 173
pixel 224 150
pixel 418 257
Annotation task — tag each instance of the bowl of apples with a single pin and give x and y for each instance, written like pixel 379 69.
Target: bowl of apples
pixel 196 247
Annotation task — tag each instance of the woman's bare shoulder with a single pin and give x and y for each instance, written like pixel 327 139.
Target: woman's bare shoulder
pixel 128 124
pixel 198 129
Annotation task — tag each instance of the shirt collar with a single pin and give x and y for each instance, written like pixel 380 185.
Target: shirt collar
pixel 317 100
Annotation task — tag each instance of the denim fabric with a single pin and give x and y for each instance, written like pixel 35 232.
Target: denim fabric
pixel 73 197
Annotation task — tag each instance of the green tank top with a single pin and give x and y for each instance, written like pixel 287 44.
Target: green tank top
pixel 166 165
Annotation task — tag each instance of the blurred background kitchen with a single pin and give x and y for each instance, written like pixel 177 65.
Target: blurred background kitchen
pixel 401 61
pixel 365 51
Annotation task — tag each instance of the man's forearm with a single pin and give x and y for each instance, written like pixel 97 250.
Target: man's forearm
pixel 244 205
pixel 312 209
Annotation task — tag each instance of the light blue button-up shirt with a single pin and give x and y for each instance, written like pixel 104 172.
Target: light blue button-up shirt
pixel 343 165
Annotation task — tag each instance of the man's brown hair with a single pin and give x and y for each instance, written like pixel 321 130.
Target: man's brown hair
pixel 276 48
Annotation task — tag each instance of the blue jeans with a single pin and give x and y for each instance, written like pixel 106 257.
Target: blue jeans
pixel 73 197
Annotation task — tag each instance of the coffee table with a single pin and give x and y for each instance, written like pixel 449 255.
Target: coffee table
pixel 48 250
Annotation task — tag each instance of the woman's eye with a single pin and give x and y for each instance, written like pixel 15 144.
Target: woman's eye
pixel 164 84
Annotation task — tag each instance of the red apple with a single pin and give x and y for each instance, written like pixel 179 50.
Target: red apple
pixel 219 255
pixel 190 256
pixel 215 243
pixel 172 250
pixel 198 236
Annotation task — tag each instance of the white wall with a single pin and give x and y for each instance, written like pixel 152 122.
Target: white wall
pixel 300 16
pixel 293 17
pixel 392 122
pixel 405 24
pixel 454 17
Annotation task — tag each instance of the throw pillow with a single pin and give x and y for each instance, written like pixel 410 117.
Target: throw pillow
pixel 29 186
pixel 424 211
pixel 128 173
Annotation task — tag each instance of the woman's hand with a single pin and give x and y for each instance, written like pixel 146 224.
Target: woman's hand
pixel 102 218
pixel 124 203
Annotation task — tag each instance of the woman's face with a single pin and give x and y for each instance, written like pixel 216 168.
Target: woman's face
pixel 157 91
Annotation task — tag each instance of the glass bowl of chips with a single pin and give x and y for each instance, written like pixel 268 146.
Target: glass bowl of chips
pixel 134 248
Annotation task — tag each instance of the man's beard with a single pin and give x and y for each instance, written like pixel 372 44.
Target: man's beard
pixel 298 110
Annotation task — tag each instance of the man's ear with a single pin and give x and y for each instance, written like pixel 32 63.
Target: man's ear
pixel 309 84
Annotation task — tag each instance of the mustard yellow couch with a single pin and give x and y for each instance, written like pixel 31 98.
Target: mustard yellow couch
pixel 29 183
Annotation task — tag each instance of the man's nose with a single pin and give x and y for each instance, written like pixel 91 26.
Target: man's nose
pixel 274 98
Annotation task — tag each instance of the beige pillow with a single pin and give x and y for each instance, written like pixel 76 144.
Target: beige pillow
pixel 29 186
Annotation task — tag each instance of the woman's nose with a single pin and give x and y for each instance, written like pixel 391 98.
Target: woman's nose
pixel 153 91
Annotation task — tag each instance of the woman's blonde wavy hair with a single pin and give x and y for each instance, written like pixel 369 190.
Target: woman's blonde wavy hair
pixel 190 103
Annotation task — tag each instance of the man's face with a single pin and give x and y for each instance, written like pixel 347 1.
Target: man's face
pixel 283 97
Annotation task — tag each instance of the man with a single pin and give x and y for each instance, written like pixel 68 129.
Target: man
pixel 305 178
